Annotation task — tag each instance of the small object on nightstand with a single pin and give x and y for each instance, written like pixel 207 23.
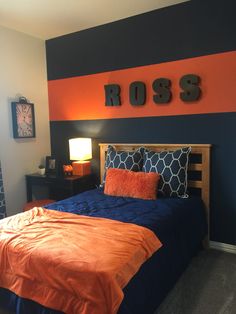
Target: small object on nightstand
pixel 51 166
pixel 80 151
pixel 67 169
pixel 41 170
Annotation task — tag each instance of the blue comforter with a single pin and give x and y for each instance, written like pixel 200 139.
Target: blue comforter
pixel 180 224
pixel 162 216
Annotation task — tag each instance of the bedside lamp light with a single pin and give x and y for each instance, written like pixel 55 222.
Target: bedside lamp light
pixel 80 151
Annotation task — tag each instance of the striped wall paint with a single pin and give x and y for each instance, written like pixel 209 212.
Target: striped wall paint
pixel 83 97
pixel 195 36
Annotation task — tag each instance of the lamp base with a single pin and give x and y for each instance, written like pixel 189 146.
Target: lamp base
pixel 81 168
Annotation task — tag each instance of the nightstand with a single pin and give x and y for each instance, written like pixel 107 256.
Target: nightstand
pixel 59 187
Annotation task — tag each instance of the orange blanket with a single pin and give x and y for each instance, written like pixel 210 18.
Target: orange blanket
pixel 75 264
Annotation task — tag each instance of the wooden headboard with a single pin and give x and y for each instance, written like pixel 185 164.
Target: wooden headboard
pixel 198 170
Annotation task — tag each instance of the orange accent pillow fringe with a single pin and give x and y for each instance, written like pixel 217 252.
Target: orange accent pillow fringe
pixel 126 183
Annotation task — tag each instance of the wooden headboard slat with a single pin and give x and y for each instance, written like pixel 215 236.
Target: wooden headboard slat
pixel 195 167
pixel 195 184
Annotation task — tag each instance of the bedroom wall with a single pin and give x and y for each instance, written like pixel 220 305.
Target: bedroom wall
pixel 193 37
pixel 22 73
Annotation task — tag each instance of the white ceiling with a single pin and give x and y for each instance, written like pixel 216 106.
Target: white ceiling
pixel 51 18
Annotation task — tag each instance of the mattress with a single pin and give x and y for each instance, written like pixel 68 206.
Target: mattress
pixel 179 223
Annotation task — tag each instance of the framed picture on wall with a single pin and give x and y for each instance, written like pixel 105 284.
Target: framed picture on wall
pixel 23 120
pixel 51 165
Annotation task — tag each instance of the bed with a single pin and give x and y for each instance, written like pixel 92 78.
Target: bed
pixel 179 223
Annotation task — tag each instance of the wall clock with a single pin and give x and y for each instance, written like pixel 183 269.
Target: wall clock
pixel 23 120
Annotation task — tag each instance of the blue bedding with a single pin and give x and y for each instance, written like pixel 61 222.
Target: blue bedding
pixel 179 223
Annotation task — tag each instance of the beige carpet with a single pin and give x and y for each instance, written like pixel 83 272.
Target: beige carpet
pixel 208 286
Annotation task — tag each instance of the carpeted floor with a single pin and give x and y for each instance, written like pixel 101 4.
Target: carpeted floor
pixel 208 286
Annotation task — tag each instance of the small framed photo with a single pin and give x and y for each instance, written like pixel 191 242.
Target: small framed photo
pixel 51 165
pixel 23 120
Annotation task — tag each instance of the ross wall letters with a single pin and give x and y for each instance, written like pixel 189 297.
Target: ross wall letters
pixel 190 91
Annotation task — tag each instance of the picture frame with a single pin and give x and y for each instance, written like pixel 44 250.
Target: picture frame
pixel 51 166
pixel 23 119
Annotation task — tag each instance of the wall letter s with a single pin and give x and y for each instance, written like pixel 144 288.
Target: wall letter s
pixel 191 90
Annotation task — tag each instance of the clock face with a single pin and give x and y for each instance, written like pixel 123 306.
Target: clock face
pixel 24 120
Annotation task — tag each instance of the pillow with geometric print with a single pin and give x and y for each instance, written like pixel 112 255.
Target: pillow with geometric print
pixel 172 167
pixel 129 160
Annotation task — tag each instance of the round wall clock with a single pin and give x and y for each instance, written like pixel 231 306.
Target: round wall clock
pixel 23 119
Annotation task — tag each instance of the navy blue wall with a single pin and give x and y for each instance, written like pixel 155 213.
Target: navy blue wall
pixel 177 32
pixel 182 31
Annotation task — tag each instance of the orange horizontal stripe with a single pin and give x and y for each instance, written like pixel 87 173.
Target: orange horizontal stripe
pixel 83 98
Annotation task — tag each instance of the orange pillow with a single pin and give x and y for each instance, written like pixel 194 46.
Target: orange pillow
pixel 121 182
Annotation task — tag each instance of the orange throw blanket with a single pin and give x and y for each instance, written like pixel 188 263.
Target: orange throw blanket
pixel 75 264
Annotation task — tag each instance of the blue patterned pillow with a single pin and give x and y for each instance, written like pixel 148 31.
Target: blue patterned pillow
pixel 172 167
pixel 123 160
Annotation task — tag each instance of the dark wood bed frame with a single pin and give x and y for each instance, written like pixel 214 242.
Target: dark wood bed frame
pixel 199 165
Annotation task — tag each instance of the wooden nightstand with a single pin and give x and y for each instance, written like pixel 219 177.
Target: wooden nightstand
pixel 60 187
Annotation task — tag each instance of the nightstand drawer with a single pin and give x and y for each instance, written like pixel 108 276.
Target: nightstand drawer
pixel 60 187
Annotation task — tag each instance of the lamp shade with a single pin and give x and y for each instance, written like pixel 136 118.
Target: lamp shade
pixel 80 148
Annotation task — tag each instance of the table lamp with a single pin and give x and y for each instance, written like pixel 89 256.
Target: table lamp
pixel 80 151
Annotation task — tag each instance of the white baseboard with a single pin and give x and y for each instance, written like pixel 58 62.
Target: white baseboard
pixel 230 248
